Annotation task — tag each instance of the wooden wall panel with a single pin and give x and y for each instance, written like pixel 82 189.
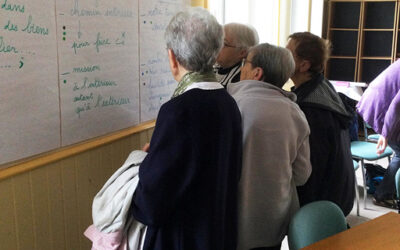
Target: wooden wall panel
pixel 51 206
pixel 71 212
pixel 84 169
pixel 40 199
pixel 105 158
pixel 56 206
pixel 23 211
pixel 8 236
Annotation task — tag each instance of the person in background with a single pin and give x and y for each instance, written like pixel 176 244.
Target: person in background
pixel 276 153
pixel 238 39
pixel 332 177
pixel 188 182
pixel 380 108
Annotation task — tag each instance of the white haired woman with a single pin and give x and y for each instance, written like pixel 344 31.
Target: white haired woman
pixel 239 38
pixel 187 193
pixel 276 152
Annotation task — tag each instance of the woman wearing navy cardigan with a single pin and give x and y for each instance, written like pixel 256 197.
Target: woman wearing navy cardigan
pixel 187 191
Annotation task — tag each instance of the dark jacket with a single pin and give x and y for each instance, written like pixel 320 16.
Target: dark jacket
pixel 187 191
pixel 228 75
pixel 332 176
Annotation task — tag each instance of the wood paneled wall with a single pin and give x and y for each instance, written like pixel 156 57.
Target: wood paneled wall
pixel 49 207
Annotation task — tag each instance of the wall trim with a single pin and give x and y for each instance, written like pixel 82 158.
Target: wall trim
pixel 28 164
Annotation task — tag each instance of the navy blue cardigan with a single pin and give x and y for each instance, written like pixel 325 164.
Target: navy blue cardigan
pixel 332 177
pixel 187 191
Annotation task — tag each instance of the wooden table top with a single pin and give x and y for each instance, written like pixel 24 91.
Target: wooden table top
pixel 382 232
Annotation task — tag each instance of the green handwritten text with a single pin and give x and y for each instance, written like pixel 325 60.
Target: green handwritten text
pixel 110 101
pixel 11 27
pixel 101 83
pixel 86 68
pixel 83 97
pixel 35 29
pixel 7 48
pixel 80 45
pixel 13 7
pixel 101 42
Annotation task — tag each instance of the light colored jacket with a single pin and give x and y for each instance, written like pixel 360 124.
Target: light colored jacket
pixel 113 226
pixel 276 158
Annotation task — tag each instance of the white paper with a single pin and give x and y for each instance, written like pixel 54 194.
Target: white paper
pixel 156 81
pixel 98 67
pixel 29 103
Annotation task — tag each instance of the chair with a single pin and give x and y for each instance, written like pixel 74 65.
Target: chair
pixel 313 222
pixel 362 150
pixel 372 137
pixel 397 181
pixel 356 166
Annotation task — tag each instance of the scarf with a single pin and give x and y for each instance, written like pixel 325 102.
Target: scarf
pixel 192 77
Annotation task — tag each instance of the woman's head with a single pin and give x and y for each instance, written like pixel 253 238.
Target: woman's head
pixel 195 37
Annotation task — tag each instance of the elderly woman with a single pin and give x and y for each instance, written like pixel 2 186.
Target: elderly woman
pixel 238 39
pixel 187 193
pixel 276 152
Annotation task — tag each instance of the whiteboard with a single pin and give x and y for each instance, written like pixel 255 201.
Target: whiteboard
pixel 99 80
pixel 73 70
pixel 156 81
pixel 29 99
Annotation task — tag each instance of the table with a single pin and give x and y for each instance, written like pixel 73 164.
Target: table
pixel 382 232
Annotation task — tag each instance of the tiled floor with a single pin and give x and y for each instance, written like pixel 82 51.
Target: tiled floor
pixel 372 211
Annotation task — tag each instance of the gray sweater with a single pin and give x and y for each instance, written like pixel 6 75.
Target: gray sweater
pixel 276 158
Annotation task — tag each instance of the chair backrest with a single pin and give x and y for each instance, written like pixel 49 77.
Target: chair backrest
pixel 371 137
pixel 313 222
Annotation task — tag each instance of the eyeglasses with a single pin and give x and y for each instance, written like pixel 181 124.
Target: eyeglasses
pixel 244 61
pixel 230 46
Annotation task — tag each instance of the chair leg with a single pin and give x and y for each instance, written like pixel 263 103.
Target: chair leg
pixel 358 197
pixel 398 205
pixel 365 183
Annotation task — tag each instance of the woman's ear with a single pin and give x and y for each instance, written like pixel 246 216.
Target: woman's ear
pixel 258 73
pixel 243 53
pixel 173 63
pixel 304 66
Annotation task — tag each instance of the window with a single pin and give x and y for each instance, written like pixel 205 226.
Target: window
pixel 273 19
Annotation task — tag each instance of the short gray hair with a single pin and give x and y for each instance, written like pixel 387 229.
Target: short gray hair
pixel 196 38
pixel 276 62
pixel 244 36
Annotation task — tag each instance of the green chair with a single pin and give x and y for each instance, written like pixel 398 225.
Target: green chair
pixel 397 180
pixel 313 222
pixel 356 166
pixel 371 137
pixel 362 150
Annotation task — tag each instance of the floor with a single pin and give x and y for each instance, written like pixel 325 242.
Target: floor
pixel 372 211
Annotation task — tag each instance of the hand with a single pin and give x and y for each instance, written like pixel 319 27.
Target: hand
pixel 381 146
pixel 146 147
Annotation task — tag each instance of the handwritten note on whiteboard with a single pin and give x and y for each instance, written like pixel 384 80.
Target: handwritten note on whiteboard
pixel 98 67
pixel 29 106
pixel 156 81
pixel 73 70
